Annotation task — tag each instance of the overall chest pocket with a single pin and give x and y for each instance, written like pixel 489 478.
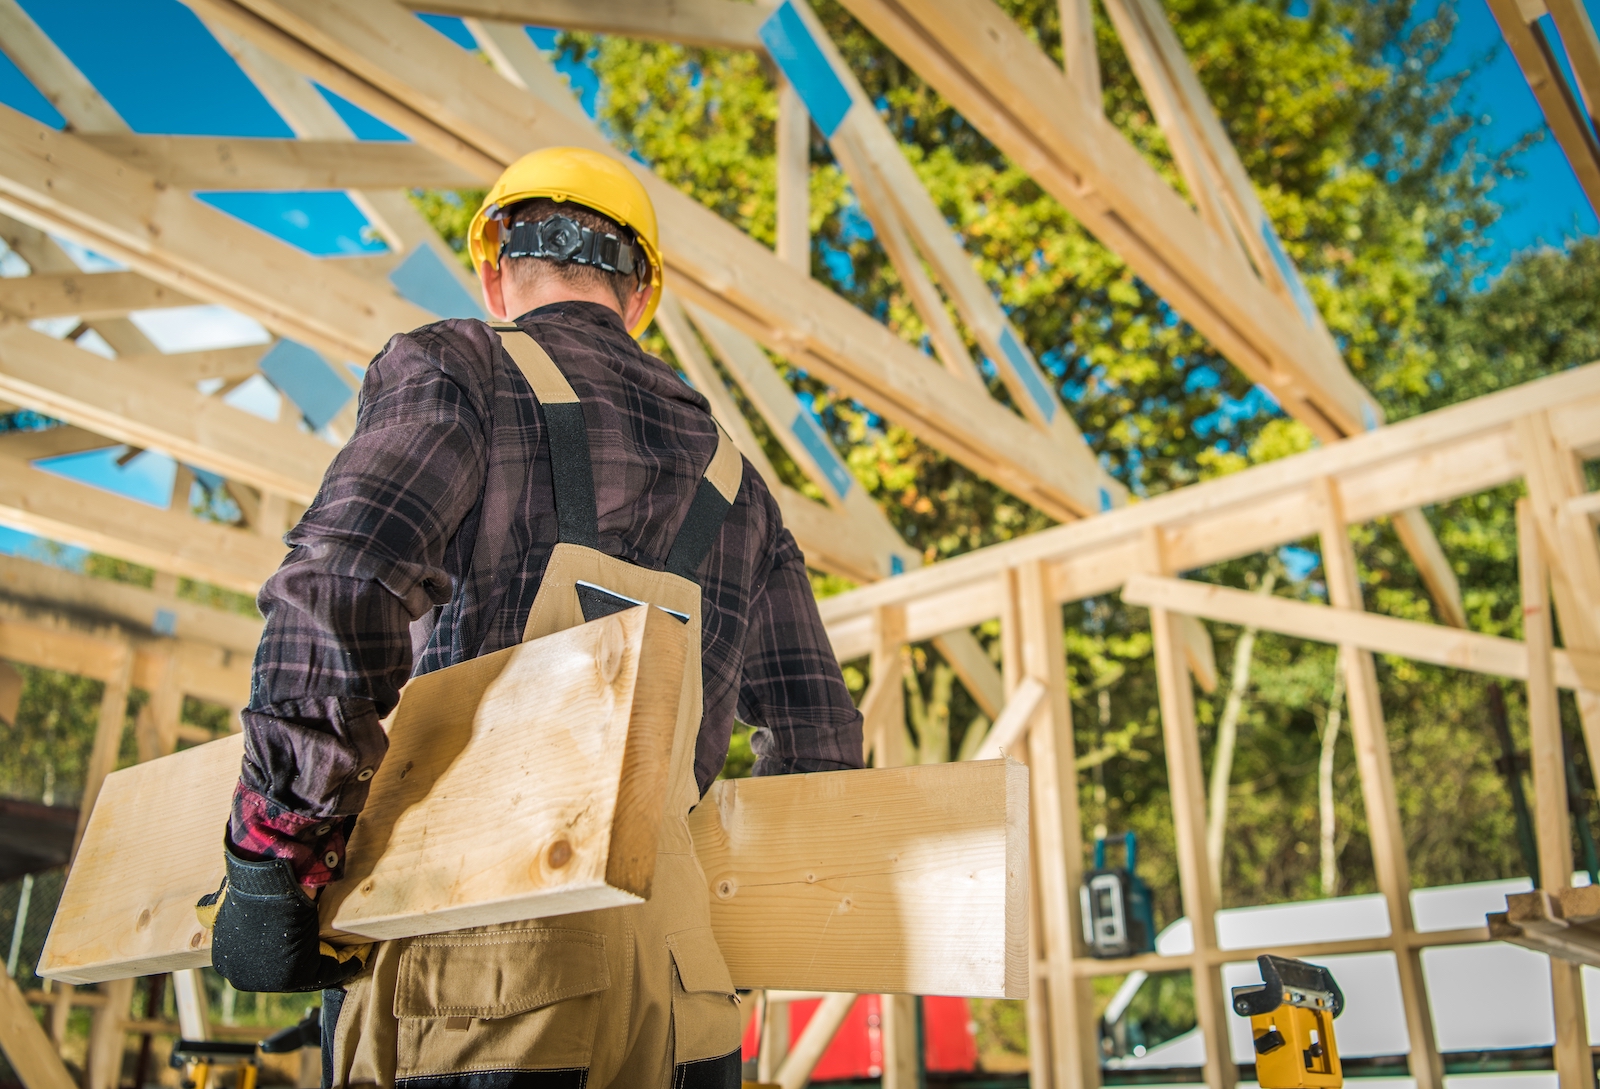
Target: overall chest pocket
pixel 516 999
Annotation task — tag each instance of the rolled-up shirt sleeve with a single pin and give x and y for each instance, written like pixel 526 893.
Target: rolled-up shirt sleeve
pixel 366 560
pixel 792 690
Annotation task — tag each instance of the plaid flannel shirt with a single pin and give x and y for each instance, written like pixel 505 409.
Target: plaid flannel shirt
pixel 426 544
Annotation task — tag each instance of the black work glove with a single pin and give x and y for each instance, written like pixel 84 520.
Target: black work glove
pixel 264 931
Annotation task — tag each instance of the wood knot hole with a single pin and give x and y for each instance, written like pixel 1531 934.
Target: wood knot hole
pixel 726 888
pixel 196 938
pixel 560 854
pixel 407 769
pixel 367 887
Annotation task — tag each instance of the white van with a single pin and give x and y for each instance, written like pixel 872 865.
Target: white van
pixel 1486 997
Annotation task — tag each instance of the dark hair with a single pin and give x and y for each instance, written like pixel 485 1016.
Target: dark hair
pixel 532 270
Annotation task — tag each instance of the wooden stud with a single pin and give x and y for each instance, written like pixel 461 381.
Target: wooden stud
pixel 108 1035
pixel 27 1048
pixel 883 708
pixel 189 995
pixel 107 738
pixel 794 179
pixel 1184 780
pixel 1040 656
pixel 1078 53
pixel 819 1032
pixel 1574 1063
pixel 1377 786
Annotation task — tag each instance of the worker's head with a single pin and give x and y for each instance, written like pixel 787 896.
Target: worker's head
pixel 567 223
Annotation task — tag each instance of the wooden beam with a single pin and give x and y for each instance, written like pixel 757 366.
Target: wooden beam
pixel 1377 786
pixel 59 183
pixel 1562 113
pixel 1583 49
pixel 384 60
pixel 27 1048
pixel 1429 459
pixel 840 876
pixel 1552 820
pixel 48 69
pixel 980 60
pixel 794 179
pixel 716 24
pixel 1080 58
pixel 146 410
pixel 190 368
pixel 63 510
pixel 1438 645
pixel 237 162
pixel 1182 743
pixel 85 295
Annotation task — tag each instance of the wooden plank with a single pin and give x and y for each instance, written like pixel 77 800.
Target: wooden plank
pixel 64 510
pixel 1412 527
pixel 1562 113
pixel 1184 780
pixel 716 24
pixel 1013 720
pixel 584 838
pixel 27 1048
pixel 384 60
pixel 832 882
pixel 1370 632
pixel 85 295
pixel 238 162
pixel 59 183
pixel 841 864
pixel 883 707
pixel 1552 822
pixel 147 410
pixel 1371 737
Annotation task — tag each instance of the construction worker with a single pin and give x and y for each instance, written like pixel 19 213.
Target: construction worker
pixel 493 467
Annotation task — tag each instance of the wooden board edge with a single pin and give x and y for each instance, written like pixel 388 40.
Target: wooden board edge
pixel 644 790
pixel 1017 976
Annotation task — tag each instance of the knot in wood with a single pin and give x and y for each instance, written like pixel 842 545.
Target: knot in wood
pixel 726 888
pixel 608 654
pixel 559 855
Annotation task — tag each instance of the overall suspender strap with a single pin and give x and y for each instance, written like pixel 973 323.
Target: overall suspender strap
pixel 572 469
pixel 712 501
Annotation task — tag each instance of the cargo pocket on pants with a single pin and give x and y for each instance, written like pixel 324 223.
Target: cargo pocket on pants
pixel 705 1014
pixel 499 1000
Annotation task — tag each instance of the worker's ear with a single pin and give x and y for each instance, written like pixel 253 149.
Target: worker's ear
pixel 636 306
pixel 493 282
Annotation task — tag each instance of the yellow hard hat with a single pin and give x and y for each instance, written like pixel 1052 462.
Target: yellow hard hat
pixel 585 177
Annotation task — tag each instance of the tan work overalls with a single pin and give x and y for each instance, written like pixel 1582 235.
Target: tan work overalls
pixel 637 996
